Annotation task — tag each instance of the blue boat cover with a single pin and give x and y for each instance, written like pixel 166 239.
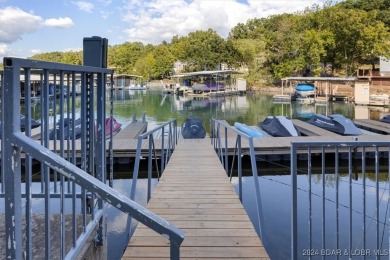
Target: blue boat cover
pixel 385 119
pixel 249 130
pixel 335 123
pixel 305 87
pixel 279 126
pixel 193 129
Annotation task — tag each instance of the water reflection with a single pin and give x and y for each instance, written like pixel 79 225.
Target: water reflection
pixel 276 202
pixel 249 109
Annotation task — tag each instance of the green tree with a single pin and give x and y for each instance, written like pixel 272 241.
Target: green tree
pixel 205 50
pixel 145 66
pixel 164 60
pixel 124 56
pixel 359 37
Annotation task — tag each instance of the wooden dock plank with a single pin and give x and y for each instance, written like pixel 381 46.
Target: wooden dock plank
pixel 309 129
pixel 373 125
pixel 131 131
pixel 195 194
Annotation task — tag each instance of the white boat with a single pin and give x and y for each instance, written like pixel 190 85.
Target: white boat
pixel 305 89
pixel 128 82
pixel 379 99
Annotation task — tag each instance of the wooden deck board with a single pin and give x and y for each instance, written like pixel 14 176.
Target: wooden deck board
pixel 373 125
pixel 309 129
pixel 195 194
pixel 131 131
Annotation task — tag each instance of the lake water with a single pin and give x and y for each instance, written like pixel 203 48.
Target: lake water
pixel 275 188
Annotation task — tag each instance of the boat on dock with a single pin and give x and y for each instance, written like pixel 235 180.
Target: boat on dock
pixel 252 131
pixel 279 126
pixel 54 133
pixel 116 126
pixel 335 123
pixel 23 124
pixel 128 82
pixel 193 129
pixel 305 89
pixel 203 83
pixel 385 119
pixel 68 131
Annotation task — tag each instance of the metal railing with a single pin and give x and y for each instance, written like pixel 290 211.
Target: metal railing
pixel 67 191
pixel 169 137
pixel 219 138
pixel 329 210
pixel 348 218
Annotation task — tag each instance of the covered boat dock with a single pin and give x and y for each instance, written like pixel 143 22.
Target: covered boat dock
pixel 327 87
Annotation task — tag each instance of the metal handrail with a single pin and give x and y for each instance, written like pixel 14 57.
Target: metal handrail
pixel 165 152
pixel 14 143
pixel 222 150
pixel 103 191
pixel 349 148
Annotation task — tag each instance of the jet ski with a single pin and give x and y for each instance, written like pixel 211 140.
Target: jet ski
pixel 23 124
pixel 335 123
pixel 193 129
pixel 68 129
pixel 385 119
pixel 116 127
pixel 279 126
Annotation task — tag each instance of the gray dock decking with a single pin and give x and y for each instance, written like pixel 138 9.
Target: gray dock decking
pixel 195 194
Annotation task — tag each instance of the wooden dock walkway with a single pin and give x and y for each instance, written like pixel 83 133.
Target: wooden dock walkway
pixel 195 194
pixel 131 131
pixel 373 125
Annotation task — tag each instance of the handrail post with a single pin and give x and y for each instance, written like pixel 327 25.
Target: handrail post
pixel 226 152
pixel 174 250
pixel 239 167
pixel 136 168
pixel 257 186
pixel 11 162
pixel 162 149
pixel 294 221
pixel 149 168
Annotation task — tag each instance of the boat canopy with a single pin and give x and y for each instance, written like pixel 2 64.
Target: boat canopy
pixel 279 126
pixel 208 86
pixel 335 123
pixel 305 87
pixel 193 129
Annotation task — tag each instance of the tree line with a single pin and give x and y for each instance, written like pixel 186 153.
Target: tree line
pixel 328 40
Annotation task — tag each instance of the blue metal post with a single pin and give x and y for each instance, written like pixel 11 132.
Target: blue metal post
pixel 11 164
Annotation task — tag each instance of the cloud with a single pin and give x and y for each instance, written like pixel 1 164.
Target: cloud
pixel 156 20
pixel 3 50
pixel 15 22
pixel 62 22
pixel 35 51
pixel 76 49
pixel 84 6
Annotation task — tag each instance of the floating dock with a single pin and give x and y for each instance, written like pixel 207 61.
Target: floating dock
pixel 199 199
pixel 125 142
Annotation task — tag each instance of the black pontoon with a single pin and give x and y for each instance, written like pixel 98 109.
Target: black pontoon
pixel 193 129
pixel 335 123
pixel 279 126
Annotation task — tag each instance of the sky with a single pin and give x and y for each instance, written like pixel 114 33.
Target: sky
pixel 28 27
